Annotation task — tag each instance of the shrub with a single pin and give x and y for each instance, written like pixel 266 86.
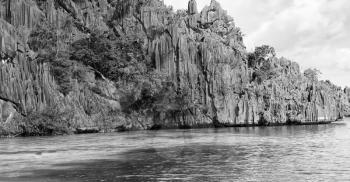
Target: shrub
pixel 263 51
pixel 118 59
pixel 51 121
pixel 43 38
pixel 312 74
pixel 266 72
pixel 3 132
pixel 62 72
pixel 261 62
pixel 260 55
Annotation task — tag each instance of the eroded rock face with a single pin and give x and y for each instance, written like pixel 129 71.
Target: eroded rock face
pixel 28 87
pixel 346 100
pixel 192 7
pixel 201 54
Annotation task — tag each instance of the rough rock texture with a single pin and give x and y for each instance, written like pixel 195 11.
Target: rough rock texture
pixel 200 55
pixel 346 100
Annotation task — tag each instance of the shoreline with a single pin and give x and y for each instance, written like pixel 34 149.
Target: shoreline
pixel 184 128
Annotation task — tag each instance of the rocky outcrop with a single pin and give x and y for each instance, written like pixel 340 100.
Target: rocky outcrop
pixel 346 100
pixel 192 7
pixel 210 78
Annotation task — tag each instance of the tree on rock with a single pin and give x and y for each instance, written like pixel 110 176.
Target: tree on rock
pixel 260 54
pixel 261 63
pixel 264 51
pixel 312 74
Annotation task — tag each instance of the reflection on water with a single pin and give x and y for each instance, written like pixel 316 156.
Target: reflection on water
pixel 288 153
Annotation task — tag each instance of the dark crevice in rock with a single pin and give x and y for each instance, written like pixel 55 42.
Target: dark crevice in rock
pixel 8 11
pixel 143 26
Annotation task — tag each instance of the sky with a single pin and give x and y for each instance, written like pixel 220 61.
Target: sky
pixel 314 33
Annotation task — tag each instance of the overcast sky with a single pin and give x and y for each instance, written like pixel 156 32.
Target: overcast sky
pixel 314 33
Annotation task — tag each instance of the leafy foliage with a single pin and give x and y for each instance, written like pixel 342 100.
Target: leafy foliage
pixel 264 50
pixel 260 55
pixel 51 121
pixel 262 64
pixel 116 58
pixel 312 74
pixel 62 71
pixel 44 40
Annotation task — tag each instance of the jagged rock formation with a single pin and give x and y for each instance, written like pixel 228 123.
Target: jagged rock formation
pixel 192 7
pixel 159 69
pixel 346 100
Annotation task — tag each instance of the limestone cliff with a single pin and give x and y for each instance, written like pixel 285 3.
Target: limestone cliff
pixel 346 100
pixel 89 66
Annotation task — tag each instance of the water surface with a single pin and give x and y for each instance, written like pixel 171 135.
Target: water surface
pixel 286 153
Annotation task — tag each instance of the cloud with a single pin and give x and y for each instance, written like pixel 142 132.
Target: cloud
pixel 314 33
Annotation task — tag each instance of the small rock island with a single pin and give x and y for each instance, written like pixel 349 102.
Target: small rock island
pixel 72 66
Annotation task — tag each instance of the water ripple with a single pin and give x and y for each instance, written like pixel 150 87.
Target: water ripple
pixel 288 153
